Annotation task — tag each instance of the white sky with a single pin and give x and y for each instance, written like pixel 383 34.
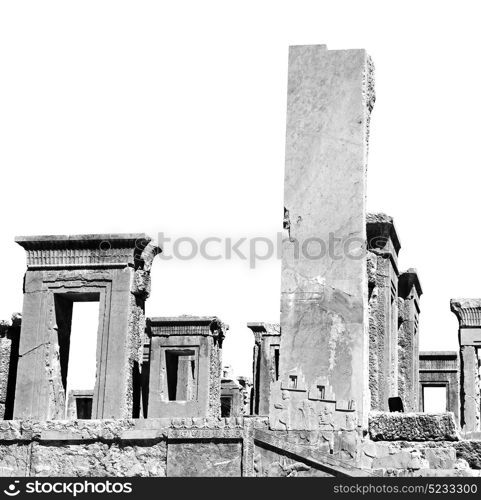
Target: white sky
pixel 170 116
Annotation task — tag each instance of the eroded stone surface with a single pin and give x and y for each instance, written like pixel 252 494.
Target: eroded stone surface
pixel 324 294
pixel 385 426
pixel 200 459
pixel 408 455
pixel 471 452
pixel 269 463
pixel 98 459
pixel 14 459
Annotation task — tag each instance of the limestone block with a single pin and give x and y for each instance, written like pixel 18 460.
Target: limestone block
pixel 10 430
pixel 98 459
pixel 202 459
pixel 385 426
pixel 274 463
pixel 441 458
pixel 14 459
pixel 469 451
pixel 400 460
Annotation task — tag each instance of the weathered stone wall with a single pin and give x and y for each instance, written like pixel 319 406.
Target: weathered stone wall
pixel 99 459
pixel 121 448
pixel 275 463
pixel 204 459
pixel 306 453
pixel 418 444
pixel 224 447
pixel 428 458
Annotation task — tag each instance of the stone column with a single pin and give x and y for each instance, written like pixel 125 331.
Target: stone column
pixel 383 249
pixel 265 364
pixel 468 312
pixel 324 310
pixel 9 339
pixel 410 292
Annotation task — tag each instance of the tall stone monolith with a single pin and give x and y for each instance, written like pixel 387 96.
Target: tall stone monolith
pixel 324 364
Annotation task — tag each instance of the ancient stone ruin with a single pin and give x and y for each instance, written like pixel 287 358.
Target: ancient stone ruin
pixel 339 387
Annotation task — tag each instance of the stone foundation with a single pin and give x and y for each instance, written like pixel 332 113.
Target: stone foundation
pixel 123 448
pixel 225 447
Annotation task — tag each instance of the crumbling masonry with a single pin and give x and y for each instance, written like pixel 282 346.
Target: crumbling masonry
pixel 338 387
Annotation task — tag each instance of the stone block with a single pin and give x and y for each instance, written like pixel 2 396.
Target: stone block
pixel 14 460
pixel 412 427
pixel 401 460
pixel 469 451
pixel 441 457
pixel 274 463
pixel 204 459
pixel 98 460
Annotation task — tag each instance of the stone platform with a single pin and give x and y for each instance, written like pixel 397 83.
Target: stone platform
pixel 224 447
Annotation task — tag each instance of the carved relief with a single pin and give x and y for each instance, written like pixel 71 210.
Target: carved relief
pixel 206 428
pixel 294 406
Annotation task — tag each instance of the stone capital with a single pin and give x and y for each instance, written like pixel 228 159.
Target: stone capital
pixel 468 312
pixel 380 231
pixel 261 330
pixel 407 280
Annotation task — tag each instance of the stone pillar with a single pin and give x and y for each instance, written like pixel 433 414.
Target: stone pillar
pixel 324 304
pixel 247 391
pixel 383 249
pixel 113 270
pixel 468 312
pixel 265 364
pixel 185 366
pixel 9 339
pixel 410 292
